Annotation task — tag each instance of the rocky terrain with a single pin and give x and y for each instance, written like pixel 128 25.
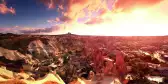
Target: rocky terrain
pixel 68 58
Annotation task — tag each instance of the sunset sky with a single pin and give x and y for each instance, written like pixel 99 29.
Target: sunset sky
pixel 85 17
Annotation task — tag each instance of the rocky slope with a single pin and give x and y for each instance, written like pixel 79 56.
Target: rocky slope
pixel 71 55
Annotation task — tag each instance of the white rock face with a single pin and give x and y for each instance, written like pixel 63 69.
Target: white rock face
pixel 38 47
pixel 40 50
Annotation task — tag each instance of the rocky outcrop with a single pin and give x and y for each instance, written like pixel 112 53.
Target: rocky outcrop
pixel 11 54
pixel 48 77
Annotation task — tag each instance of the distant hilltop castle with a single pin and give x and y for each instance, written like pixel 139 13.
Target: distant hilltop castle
pixel 69 33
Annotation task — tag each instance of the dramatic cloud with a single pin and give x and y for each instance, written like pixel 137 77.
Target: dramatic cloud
pixel 74 9
pixel 127 5
pixel 4 9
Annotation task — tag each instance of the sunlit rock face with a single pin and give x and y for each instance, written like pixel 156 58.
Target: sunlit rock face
pixel 15 55
pixel 38 49
pixel 11 54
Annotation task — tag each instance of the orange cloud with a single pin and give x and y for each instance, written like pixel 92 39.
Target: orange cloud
pixel 127 5
pixel 72 10
pixel 4 9
pixel 94 21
